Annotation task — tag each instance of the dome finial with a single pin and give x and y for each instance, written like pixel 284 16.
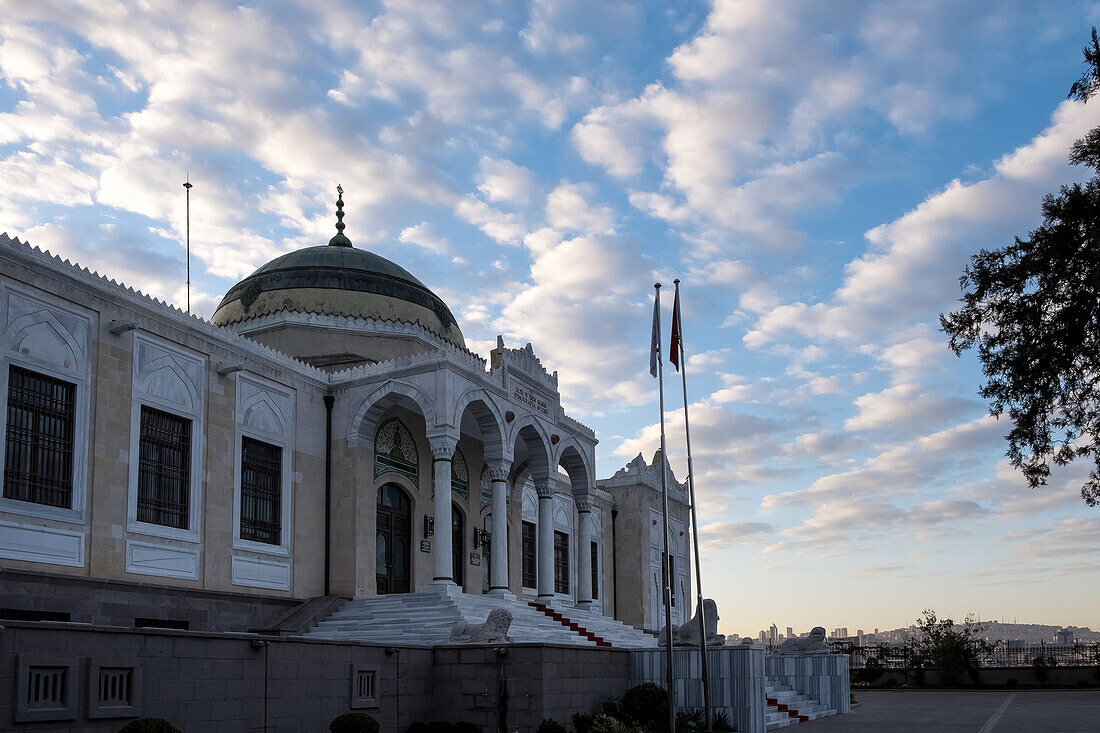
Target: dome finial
pixel 340 240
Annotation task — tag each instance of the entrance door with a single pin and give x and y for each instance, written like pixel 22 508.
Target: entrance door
pixel 391 542
pixel 458 547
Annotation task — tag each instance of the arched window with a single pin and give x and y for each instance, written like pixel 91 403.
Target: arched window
pixel 460 476
pixel 395 450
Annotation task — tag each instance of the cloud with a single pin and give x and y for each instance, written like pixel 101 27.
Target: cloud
pixel 424 235
pixel 905 407
pixel 503 180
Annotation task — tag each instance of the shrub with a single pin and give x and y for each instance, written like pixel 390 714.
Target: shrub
pixel 353 723
pixel 1012 682
pixel 891 682
pixel 645 705
pixel 443 726
pixel 148 725
pixel 604 723
pixel 1082 683
pixel 582 722
pixel 691 720
pixel 549 725
pixel 719 721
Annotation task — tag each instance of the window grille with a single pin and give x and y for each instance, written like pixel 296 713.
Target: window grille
pixel 164 469
pixel 530 560
pixel 363 687
pixel 595 571
pixel 38 446
pixel 395 450
pixel 115 686
pixel 561 562
pixel 261 491
pixel 460 476
pixel 46 688
pixel 364 683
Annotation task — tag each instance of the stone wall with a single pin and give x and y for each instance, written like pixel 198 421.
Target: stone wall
pixel 119 603
pixel 823 677
pixel 736 675
pixel 213 683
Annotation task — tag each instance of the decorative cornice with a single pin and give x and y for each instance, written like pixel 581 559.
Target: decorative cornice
pixel 525 362
pixel 578 427
pixel 35 256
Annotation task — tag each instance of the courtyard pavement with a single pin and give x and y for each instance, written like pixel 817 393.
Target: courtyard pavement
pixel 969 711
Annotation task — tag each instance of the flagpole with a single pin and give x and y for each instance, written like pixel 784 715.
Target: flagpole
pixel 679 324
pixel 664 498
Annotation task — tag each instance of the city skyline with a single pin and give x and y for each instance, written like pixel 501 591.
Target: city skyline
pixel 816 176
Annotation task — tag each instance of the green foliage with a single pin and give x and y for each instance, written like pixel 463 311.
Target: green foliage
pixel 719 721
pixel 353 723
pixel 443 726
pixel 582 722
pixel 604 723
pixel 645 705
pixel 952 649
pixel 1031 309
pixel 148 725
pixel 691 720
pixel 549 725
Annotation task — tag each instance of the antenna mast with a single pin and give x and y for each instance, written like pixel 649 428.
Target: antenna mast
pixel 187 187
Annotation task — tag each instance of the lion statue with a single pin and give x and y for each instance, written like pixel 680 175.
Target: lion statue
pixel 806 645
pixel 688 634
pixel 493 631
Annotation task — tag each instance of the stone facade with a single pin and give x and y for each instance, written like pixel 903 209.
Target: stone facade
pixel 499 424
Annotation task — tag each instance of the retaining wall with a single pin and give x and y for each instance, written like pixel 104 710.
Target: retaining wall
pixel 243 683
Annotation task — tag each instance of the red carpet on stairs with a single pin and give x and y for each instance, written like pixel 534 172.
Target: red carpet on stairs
pixel 568 623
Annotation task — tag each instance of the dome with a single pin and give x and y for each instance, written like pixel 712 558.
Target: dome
pixel 338 280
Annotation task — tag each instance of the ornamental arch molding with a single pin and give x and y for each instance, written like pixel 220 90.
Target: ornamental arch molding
pixel 485 411
pixel 366 416
pixel 573 460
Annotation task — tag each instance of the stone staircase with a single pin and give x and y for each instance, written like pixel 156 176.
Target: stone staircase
pixel 786 706
pixel 549 612
pixel 425 618
pixel 616 633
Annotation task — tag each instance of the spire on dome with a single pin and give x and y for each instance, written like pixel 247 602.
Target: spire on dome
pixel 340 240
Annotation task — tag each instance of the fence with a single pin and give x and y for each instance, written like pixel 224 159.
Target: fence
pixel 902 656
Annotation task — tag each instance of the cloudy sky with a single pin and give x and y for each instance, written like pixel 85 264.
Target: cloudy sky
pixel 817 174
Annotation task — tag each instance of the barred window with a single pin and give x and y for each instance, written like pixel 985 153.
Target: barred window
pixel 530 559
pixel 561 562
pixel 38 446
pixel 261 491
pixel 164 469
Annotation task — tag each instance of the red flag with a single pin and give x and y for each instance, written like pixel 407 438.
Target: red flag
pixel 674 347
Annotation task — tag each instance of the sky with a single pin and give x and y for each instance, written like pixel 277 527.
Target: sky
pixel 816 174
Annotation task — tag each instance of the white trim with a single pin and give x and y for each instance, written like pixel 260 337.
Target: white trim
pixel 78 374
pixel 192 373
pixel 146 558
pixel 253 392
pixel 35 543
pixel 260 572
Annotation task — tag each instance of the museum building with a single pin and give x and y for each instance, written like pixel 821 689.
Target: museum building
pixel 325 436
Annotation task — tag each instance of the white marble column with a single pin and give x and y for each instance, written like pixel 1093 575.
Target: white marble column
pixel 442 452
pixel 498 571
pixel 584 553
pixel 545 542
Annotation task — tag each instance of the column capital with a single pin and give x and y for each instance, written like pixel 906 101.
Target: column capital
pixel 584 504
pixel 544 489
pixel 498 471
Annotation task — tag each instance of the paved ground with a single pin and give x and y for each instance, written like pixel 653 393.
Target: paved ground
pixel 969 711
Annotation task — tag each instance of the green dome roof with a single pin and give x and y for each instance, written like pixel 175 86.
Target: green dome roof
pixel 337 279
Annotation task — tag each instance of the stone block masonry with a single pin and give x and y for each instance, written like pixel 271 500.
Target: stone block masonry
pixel 246 683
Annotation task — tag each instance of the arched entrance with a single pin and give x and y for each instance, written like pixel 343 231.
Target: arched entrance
pixel 458 547
pixel 391 544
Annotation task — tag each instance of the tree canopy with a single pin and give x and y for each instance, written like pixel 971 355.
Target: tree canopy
pixel 1033 310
